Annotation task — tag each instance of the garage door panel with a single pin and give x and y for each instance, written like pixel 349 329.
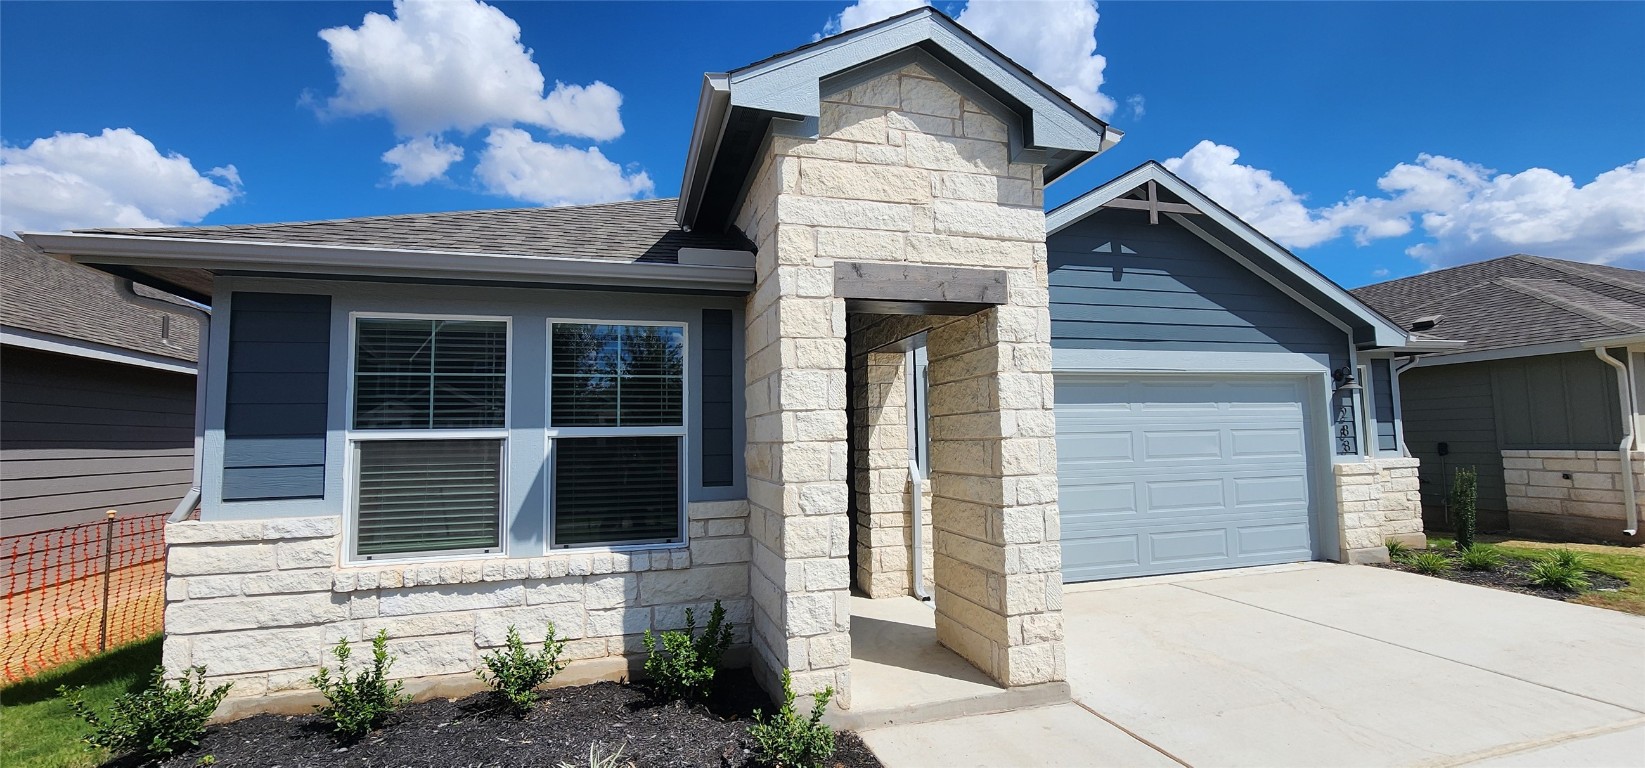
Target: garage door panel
pixel 1273 492
pixel 1178 497
pixel 1161 445
pixel 1096 447
pixel 1285 539
pixel 1190 546
pixel 1266 443
pixel 1189 474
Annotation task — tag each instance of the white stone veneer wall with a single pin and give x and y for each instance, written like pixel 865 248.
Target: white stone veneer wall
pixel 260 603
pixel 905 169
pixel 1563 494
pixel 1378 500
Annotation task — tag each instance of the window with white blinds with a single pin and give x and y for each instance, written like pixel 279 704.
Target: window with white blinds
pixel 617 403
pixel 428 496
pixel 428 435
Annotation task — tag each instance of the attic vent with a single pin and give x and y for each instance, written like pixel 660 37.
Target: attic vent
pixel 1426 323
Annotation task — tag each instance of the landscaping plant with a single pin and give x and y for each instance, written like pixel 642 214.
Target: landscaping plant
pixel 359 702
pixel 682 665
pixel 1397 551
pixel 1481 558
pixel 1554 574
pixel 1464 501
pixel 1430 563
pixel 1569 559
pixel 787 740
pixel 600 759
pixel 156 722
pixel 514 673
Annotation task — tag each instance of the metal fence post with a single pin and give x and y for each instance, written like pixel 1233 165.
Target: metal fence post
pixel 108 559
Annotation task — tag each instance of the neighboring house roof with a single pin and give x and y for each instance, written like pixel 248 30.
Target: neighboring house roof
pixel 57 306
pixel 1181 202
pixel 630 231
pixel 1515 305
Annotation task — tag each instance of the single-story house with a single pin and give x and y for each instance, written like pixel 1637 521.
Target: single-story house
pixel 855 349
pixel 1542 400
pixel 96 395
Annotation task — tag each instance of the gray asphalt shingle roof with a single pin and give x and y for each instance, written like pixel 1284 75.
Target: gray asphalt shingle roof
pixel 41 294
pixel 631 231
pixel 1517 301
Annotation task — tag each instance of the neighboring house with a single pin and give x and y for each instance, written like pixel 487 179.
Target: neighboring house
pixel 1530 401
pixel 443 424
pixel 96 397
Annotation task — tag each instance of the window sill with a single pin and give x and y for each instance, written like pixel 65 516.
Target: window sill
pixel 494 568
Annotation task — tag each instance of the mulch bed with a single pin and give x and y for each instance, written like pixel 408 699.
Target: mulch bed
pixel 471 732
pixel 1513 576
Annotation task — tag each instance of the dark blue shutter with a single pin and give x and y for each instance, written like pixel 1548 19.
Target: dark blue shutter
pixel 715 444
pixel 274 432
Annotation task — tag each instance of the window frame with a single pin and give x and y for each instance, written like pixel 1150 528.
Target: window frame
pixel 553 434
pixel 353 437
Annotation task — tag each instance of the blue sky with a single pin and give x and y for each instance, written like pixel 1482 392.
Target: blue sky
pixel 1486 124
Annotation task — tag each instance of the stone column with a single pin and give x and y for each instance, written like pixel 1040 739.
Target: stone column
pixel 879 392
pixel 1378 500
pixel 998 556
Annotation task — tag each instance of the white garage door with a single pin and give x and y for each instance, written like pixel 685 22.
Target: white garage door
pixel 1176 473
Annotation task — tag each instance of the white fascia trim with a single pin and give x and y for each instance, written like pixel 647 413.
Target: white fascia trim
pixel 713 110
pixel 63 345
pixel 383 262
pixel 1624 340
pixel 1387 334
pixel 1508 353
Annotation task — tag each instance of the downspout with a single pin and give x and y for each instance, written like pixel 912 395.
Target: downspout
pixel 126 289
pixel 1624 449
pixel 916 480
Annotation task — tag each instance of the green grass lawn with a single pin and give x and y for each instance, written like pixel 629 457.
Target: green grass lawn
pixel 41 732
pixel 1626 563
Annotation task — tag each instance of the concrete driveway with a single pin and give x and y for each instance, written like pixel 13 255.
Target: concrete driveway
pixel 1317 665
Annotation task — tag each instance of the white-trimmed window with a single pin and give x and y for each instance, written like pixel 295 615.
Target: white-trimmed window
pixel 617 427
pixel 428 435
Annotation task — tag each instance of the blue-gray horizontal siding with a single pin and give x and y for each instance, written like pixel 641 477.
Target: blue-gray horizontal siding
pixel 1174 292
pixel 274 429
pixel 1382 391
pixel 716 439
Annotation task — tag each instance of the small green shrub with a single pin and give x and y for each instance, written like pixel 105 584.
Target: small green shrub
pixel 1397 551
pixel 1481 558
pixel 359 702
pixel 1569 559
pixel 514 673
pixel 1430 563
pixel 1464 500
pixel 787 740
pixel 683 665
pixel 1552 574
pixel 156 722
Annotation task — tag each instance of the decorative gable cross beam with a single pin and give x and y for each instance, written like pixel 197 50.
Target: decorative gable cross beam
pixel 1149 202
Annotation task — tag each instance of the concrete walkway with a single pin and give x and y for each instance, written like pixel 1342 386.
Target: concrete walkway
pixel 1316 665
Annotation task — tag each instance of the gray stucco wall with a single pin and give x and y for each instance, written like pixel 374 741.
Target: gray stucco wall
pixel 1549 402
pixel 1118 282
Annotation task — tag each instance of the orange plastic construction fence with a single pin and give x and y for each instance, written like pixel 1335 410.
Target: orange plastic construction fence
pixel 73 592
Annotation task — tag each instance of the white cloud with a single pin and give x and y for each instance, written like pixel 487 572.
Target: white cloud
pixel 117 178
pixel 1138 106
pixel 865 12
pixel 1054 39
pixel 421 160
pixel 516 165
pixel 440 65
pixel 1466 211
pixel 1380 272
